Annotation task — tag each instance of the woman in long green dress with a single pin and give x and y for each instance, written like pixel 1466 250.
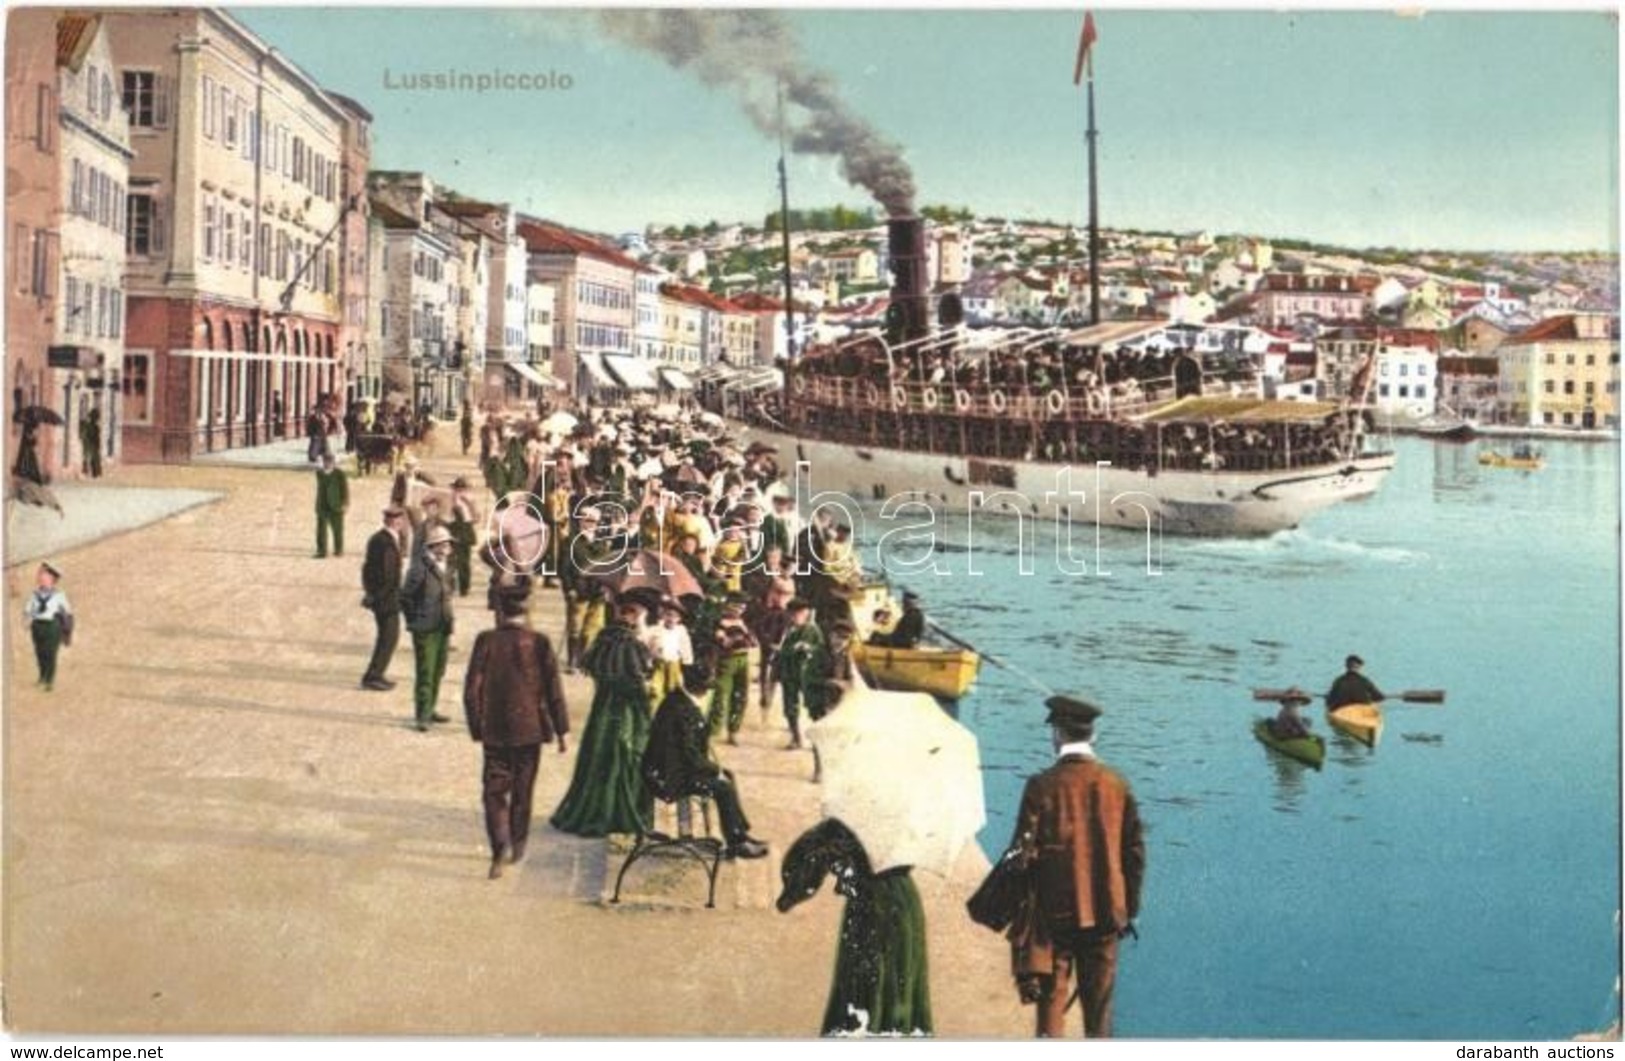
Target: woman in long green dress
pixel 606 793
pixel 882 983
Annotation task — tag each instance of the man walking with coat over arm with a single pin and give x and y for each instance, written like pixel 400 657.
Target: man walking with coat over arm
pixel 514 701
pixel 1081 828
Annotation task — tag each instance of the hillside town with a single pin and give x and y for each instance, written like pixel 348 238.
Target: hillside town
pixel 202 251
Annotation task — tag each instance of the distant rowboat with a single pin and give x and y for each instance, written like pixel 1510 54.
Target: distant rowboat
pixel 947 673
pixel 1523 458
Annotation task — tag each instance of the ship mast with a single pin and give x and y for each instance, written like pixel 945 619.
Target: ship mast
pixel 1086 60
pixel 784 218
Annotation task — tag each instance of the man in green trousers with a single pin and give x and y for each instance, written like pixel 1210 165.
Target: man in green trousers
pixel 427 594
pixel 332 498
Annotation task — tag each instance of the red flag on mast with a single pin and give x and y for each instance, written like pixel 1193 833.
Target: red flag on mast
pixel 1085 44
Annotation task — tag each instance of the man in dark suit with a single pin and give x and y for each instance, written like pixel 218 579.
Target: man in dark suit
pixel 332 498
pixel 514 701
pixel 1081 827
pixel 677 761
pixel 1352 687
pixel 381 594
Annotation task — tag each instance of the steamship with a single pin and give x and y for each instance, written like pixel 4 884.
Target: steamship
pixel 1080 424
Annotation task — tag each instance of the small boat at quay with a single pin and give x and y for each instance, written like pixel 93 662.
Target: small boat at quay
pixel 1310 750
pixel 1363 722
pixel 1522 457
pixel 946 673
pixel 1445 429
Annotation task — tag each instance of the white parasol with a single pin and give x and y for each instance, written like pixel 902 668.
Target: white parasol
pixel 559 423
pixel 520 537
pixel 903 776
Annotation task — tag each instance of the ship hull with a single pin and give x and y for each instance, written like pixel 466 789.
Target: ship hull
pixel 1203 504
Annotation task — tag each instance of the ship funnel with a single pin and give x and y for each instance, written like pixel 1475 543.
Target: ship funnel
pixel 909 317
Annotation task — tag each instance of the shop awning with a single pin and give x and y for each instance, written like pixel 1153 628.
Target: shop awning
pixel 595 369
pixel 674 378
pixel 526 372
pixel 632 373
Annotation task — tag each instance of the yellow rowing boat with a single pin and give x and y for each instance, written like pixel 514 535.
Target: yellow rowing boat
pixel 1363 722
pixel 943 672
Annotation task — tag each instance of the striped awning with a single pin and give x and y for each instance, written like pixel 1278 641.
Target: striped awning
pixel 631 373
pixel 675 379
pixel 595 369
pixel 528 372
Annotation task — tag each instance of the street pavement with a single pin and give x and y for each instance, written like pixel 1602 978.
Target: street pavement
pixel 211 829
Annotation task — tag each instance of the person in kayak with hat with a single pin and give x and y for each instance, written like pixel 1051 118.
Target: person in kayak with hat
pixel 1289 723
pixel 1352 687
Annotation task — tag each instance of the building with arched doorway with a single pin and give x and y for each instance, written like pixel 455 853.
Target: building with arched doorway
pixel 235 210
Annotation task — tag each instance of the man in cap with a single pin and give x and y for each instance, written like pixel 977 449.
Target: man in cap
pixel 427 595
pixel 50 621
pixel 678 763
pixel 800 664
pixel 1352 687
pixel 381 594
pixel 465 519
pixel 514 702
pixel 332 498
pixel 734 641
pixel 583 595
pixel 1080 825
pixel 910 628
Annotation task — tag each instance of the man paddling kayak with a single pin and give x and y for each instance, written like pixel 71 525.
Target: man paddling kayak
pixel 1352 687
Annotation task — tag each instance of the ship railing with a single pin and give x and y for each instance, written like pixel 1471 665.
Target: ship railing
pixel 977 400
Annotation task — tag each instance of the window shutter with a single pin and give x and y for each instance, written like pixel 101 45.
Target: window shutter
pixel 159 228
pixel 160 101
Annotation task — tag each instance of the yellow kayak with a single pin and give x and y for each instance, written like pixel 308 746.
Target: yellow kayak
pixel 1363 722
pixel 943 672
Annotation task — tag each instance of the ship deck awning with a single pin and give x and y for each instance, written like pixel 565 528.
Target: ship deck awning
pixel 1242 411
pixel 527 372
pixel 1114 333
pixel 675 379
pixel 633 374
pixel 756 380
pixel 715 373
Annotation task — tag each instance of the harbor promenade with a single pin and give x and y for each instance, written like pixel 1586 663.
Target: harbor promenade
pixel 211 829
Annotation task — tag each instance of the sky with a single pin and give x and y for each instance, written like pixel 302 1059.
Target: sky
pixel 1493 130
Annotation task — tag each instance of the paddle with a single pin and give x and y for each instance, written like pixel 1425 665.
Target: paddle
pixel 1410 696
pixel 945 635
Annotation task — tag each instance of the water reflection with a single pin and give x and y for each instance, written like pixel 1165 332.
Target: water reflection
pixel 1291 785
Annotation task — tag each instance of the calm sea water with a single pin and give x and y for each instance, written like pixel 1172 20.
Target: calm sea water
pixel 1460 881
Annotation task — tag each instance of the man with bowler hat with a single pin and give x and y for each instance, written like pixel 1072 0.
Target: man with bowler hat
pixel 1081 828
pixel 514 702
pixel 381 594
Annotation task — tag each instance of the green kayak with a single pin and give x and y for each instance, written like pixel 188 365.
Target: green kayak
pixel 1310 750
